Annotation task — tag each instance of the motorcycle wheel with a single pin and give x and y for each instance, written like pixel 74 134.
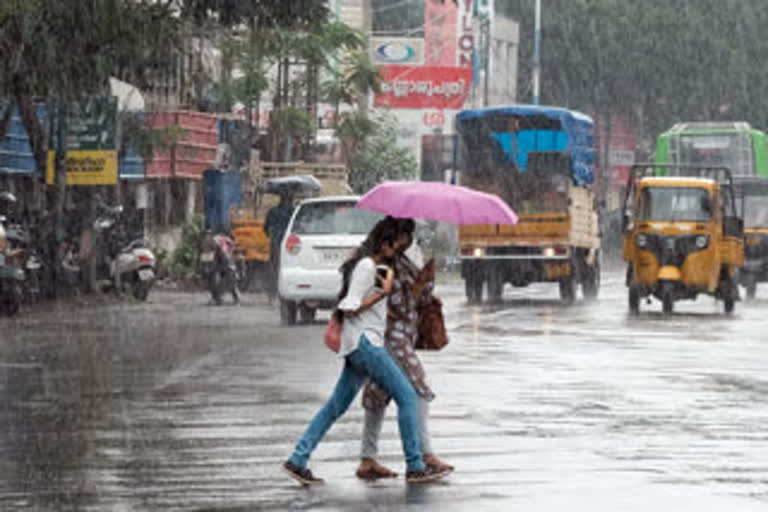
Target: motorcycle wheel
pixel 11 302
pixel 141 289
pixel 214 286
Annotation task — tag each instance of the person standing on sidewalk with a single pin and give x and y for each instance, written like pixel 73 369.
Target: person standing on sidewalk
pixel 364 308
pixel 412 287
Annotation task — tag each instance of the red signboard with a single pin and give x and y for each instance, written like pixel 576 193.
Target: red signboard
pixel 420 87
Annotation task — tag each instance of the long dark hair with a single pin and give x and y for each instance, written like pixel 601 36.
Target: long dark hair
pixel 385 231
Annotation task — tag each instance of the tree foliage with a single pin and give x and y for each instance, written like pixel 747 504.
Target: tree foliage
pixel 262 14
pixel 380 158
pixel 661 60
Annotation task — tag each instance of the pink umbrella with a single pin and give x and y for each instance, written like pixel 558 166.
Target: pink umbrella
pixel 437 201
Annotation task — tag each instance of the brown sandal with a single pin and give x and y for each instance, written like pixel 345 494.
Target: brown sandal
pixel 433 462
pixel 375 471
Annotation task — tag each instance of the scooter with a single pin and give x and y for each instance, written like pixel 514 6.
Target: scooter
pixel 132 265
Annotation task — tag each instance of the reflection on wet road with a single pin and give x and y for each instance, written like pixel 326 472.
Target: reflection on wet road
pixel 176 405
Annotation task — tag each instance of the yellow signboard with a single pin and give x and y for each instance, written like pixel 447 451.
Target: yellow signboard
pixel 86 167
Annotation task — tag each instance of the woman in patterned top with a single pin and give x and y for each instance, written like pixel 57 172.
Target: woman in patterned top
pixel 411 288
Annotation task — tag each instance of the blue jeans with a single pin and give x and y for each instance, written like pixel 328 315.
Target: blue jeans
pixel 367 362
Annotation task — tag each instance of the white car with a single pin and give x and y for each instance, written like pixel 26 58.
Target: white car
pixel 322 234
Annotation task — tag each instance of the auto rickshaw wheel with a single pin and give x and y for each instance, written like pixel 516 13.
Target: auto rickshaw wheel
pixel 729 298
pixel 667 299
pixel 751 291
pixel 729 304
pixel 634 301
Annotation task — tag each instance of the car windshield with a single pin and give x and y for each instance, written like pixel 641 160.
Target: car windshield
pixel 675 204
pixel 333 217
pixel 755 211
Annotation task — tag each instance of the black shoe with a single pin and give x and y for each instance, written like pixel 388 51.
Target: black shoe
pixel 301 475
pixel 429 474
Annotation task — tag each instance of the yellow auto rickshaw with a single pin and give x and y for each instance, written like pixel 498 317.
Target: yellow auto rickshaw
pixel 252 245
pixel 752 197
pixel 682 235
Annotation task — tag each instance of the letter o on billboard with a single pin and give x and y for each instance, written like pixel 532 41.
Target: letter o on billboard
pixel 467 42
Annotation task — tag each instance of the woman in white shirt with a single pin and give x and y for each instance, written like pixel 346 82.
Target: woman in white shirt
pixel 362 347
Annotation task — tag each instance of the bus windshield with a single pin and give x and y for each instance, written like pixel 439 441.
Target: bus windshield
pixel 672 204
pixel 732 150
pixel 755 211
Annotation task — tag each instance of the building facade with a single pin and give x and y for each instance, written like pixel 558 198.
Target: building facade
pixel 436 57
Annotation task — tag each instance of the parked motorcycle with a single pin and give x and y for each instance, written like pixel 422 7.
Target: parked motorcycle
pixel 23 254
pixel 11 277
pixel 218 267
pixel 122 264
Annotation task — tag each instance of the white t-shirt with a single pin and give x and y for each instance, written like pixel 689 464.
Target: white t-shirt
pixel 370 322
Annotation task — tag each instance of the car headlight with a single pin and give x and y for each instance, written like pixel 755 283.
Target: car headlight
pixel 641 240
pixel 702 241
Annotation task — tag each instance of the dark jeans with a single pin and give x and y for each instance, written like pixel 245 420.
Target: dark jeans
pixel 367 362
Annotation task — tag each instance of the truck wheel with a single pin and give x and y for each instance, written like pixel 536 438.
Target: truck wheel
pixel 287 312
pixel 473 287
pixel 495 286
pixel 567 291
pixel 634 301
pixel 591 285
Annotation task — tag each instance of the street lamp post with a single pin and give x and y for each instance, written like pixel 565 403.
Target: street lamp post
pixel 536 53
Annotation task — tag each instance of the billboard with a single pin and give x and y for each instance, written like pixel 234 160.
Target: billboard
pixel 440 32
pixel 420 87
pixel 91 133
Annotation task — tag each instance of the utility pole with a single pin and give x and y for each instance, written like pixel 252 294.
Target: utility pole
pixel 537 53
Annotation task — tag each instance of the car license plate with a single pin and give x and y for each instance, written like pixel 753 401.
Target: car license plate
pixel 206 257
pixel 335 255
pixel 146 274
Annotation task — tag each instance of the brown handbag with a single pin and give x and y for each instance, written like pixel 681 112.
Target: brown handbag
pixel 431 335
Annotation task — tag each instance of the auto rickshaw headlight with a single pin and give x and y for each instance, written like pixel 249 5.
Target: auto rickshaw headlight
pixel 641 240
pixel 702 241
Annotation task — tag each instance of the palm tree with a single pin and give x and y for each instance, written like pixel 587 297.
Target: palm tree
pixel 361 77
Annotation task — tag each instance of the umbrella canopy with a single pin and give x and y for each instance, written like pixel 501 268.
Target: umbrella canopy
pixel 292 184
pixel 437 201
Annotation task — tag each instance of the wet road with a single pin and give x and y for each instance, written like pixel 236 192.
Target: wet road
pixel 176 405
